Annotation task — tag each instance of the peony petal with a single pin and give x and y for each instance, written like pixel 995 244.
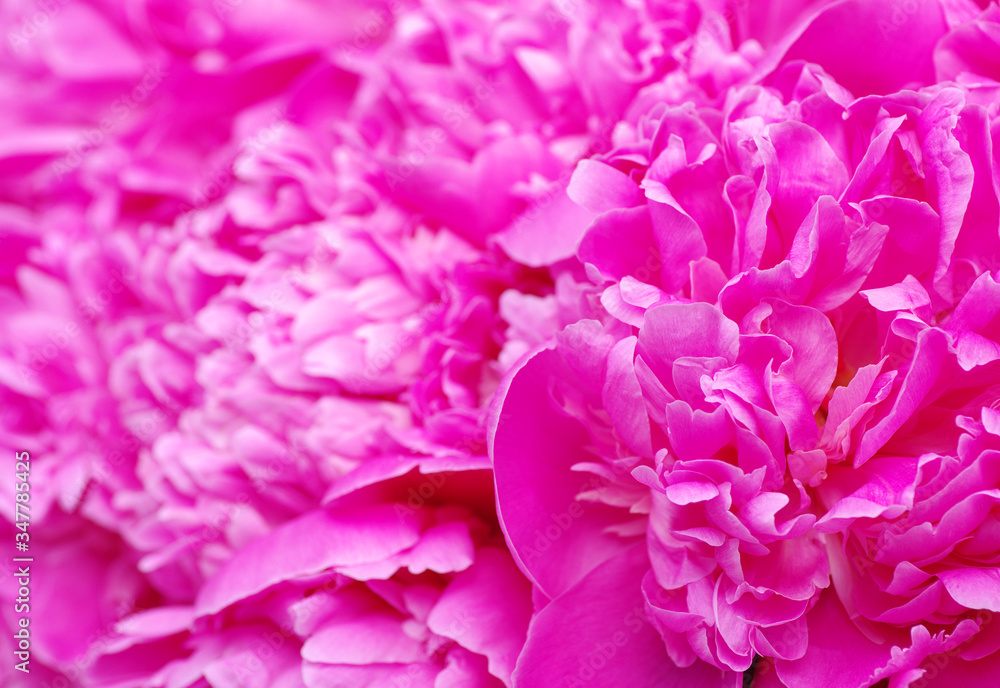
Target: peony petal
pixel 832 636
pixel 973 588
pixel 623 400
pixel 693 329
pixel 486 609
pixel 310 544
pixel 597 633
pixel 554 538
pixel 871 46
pixel 599 188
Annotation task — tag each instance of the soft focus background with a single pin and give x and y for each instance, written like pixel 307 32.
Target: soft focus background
pixel 265 266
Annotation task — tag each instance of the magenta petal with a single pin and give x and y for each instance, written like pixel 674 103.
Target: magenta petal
pixel 465 670
pixel 765 675
pixel 692 329
pixel 414 675
pixel 928 363
pixel 959 672
pixel 969 48
pixel 973 588
pixel 872 46
pixel 949 175
pixel 547 232
pixel 809 169
pixel 695 434
pixel 599 187
pixel 597 633
pixel 554 538
pixel 620 243
pixel 622 397
pixel 309 544
pixel 680 241
pixel 486 609
pixel 814 349
pixel 368 639
pixel 832 637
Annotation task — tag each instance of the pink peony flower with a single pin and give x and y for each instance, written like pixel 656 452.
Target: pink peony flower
pixel 787 283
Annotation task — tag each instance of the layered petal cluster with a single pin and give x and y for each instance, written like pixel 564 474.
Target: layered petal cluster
pixel 910 530
pixel 775 430
pixel 369 591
